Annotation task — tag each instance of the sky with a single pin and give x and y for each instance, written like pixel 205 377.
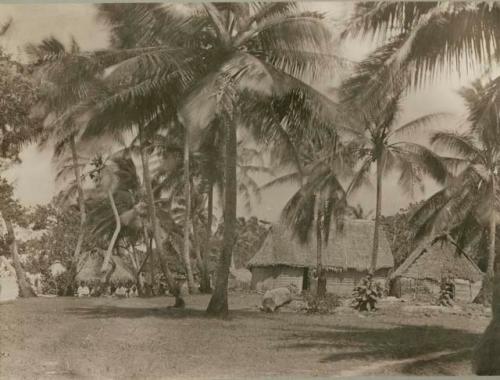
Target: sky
pixel 34 177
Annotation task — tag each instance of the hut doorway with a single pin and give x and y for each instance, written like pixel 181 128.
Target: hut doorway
pixel 305 279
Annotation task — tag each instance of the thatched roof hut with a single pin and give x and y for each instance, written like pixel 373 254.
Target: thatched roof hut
pixel 349 249
pixel 282 259
pixel 90 269
pixel 424 269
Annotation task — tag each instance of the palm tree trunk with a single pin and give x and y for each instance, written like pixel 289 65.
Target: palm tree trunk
pixel 218 305
pixel 197 251
pixel 187 217
pixel 321 286
pixel 378 209
pixel 172 284
pixel 25 289
pixel 490 270
pixel 81 201
pixel 118 227
pixel 205 275
pixel 486 356
pixel 485 295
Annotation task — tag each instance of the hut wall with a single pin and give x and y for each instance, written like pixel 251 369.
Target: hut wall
pixel 415 289
pixel 476 287
pixel 262 278
pixel 343 283
pixel 284 276
pixel 427 290
pixel 265 278
pixel 466 291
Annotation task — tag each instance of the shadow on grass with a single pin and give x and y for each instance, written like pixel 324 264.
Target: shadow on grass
pixel 399 342
pixel 112 311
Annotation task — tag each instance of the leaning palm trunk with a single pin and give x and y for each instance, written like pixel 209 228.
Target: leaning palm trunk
pixel 25 289
pixel 118 227
pixel 378 209
pixel 81 201
pixel 187 217
pixel 218 305
pixel 486 359
pixel 173 286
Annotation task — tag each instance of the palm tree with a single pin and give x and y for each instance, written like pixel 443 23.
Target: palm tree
pixel 67 79
pixel 322 163
pixel 471 200
pixel 318 202
pixel 260 48
pixel 381 144
pixel 478 194
pixel 428 38
pixel 421 41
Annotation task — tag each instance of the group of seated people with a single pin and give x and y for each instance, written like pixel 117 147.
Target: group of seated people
pixel 110 290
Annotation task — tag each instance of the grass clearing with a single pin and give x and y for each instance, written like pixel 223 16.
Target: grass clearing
pixel 104 338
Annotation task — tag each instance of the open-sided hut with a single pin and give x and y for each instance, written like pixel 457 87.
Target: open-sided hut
pixel 283 260
pixel 89 269
pixel 421 274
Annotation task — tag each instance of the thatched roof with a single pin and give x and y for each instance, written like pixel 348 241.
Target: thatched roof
pixel 90 269
pixel 349 249
pixel 436 260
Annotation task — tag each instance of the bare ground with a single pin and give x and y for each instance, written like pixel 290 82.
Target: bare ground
pixel 104 338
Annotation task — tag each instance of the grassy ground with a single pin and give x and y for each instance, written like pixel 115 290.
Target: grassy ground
pixel 140 338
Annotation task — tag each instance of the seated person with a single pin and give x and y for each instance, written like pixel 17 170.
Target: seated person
pixel 121 291
pixel 107 291
pixel 83 290
pixel 133 291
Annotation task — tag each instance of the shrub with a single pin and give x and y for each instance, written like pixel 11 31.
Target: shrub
pixel 322 304
pixel 366 294
pixel 61 285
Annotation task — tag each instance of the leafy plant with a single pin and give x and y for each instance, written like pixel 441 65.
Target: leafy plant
pixel 447 293
pixel 367 294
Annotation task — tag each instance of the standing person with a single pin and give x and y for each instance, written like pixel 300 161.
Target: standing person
pixel 133 291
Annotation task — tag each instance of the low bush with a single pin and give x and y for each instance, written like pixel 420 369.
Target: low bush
pixel 322 304
pixel 61 285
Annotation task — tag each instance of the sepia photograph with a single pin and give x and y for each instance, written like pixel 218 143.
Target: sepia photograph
pixel 249 190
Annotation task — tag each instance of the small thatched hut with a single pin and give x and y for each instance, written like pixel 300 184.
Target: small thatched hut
pixel 420 275
pixel 89 269
pixel 282 260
